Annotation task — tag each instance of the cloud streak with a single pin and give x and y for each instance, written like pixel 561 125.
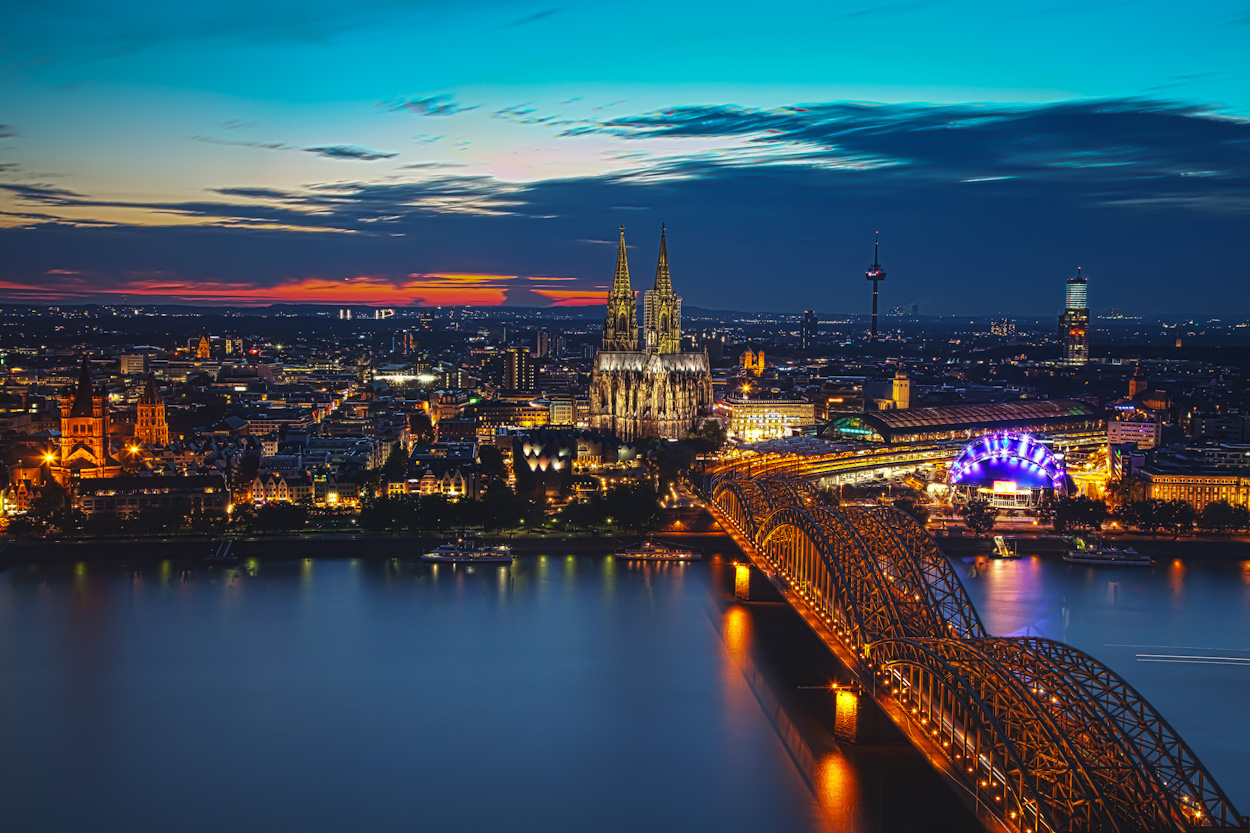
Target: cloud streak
pixel 785 196
pixel 350 152
pixel 434 105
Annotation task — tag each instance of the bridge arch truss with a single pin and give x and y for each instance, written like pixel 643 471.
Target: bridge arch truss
pixel 1044 736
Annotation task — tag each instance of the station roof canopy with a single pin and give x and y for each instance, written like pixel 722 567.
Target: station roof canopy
pixel 893 425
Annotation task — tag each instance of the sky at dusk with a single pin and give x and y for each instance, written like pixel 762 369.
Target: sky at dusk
pixel 399 153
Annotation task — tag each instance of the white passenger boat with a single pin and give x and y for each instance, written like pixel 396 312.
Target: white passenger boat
pixel 467 549
pixel 1105 555
pixel 652 550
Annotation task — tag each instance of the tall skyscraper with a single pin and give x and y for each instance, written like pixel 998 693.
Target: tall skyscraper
pixel 875 274
pixel 807 331
pixel 1074 322
pixel 518 369
pixel 402 342
pixel 542 344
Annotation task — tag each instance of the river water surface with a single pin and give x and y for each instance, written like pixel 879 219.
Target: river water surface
pixel 558 693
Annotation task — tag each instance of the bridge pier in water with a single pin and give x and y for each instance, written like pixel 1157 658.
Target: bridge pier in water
pixel 742 581
pixel 1034 735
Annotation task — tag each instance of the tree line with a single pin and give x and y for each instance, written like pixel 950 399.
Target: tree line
pixel 1080 513
pixel 630 507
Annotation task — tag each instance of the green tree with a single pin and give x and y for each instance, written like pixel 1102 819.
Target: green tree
pixel 1065 512
pixel 1178 517
pixel 499 509
pixel 281 517
pixel 1047 513
pixel 1125 490
pixel 243 517
pixel 49 504
pixel 1143 515
pixel 1219 516
pixel 103 524
pixel 436 513
pixel 396 465
pixel 156 520
pixel 369 481
pixel 708 437
pixel 914 508
pixel 384 513
pixel 26 526
pixel 633 506
pixel 421 428
pixel 979 515
pixel 492 460
pixel 206 523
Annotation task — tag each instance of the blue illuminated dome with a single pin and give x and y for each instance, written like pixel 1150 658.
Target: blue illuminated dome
pixel 1008 457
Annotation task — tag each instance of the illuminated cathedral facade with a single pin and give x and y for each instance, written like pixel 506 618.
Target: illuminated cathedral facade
pixel 644 385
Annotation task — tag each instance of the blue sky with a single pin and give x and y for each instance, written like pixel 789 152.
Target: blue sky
pixel 411 152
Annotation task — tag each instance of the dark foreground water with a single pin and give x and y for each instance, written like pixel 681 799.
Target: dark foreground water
pixel 554 694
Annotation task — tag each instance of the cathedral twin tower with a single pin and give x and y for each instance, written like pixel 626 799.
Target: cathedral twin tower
pixel 651 389
pixel 661 308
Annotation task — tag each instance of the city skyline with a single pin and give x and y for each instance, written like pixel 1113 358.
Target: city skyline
pixel 323 155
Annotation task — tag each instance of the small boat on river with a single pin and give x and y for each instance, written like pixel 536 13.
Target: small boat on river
pixel 652 550
pixel 468 549
pixel 1104 555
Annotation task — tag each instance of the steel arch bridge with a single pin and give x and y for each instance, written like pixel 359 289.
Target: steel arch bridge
pixel 1043 736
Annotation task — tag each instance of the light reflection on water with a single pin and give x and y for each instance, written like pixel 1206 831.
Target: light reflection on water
pixel 1178 632
pixel 364 693
pixel 556 693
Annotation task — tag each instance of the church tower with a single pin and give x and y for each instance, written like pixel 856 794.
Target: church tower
pixel 85 430
pixel 901 392
pixel 662 308
pixel 151 426
pixel 1136 384
pixel 204 350
pixel 620 321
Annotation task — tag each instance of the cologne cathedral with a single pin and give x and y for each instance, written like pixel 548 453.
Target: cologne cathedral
pixel 648 387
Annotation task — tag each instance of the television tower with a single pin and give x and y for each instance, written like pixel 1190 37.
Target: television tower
pixel 875 274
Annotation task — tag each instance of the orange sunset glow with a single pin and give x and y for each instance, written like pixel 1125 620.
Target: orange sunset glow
pixel 422 289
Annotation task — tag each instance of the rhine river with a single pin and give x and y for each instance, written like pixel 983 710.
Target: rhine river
pixel 559 693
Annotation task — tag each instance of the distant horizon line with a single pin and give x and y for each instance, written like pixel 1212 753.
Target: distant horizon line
pixel 216 308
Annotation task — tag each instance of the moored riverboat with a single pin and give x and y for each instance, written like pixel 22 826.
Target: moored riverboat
pixel 468 549
pixel 1103 554
pixel 650 549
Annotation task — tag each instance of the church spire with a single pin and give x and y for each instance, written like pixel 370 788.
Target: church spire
pixel 620 319
pixel 621 282
pixel 83 403
pixel 663 280
pixel 661 308
pixel 149 396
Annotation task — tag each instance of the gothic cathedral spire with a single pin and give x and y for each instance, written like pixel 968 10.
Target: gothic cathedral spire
pixel 662 307
pixel 620 320
pixel 663 280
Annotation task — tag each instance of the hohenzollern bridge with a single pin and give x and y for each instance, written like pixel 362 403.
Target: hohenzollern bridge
pixel 1037 735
